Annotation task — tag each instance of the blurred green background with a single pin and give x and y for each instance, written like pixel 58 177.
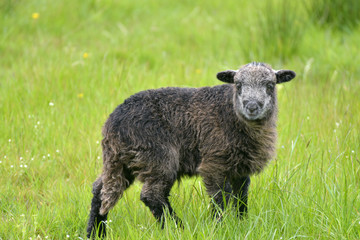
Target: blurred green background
pixel 65 65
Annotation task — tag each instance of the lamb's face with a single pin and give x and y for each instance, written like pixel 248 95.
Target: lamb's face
pixel 255 92
pixel 254 89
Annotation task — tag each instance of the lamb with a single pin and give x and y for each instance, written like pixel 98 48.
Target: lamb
pixel 224 133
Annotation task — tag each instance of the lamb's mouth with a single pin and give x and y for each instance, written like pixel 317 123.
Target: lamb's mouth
pixel 258 115
pixel 251 116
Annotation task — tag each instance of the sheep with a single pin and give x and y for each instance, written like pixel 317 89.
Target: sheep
pixel 224 133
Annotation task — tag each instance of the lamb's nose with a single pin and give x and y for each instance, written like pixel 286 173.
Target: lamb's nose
pixel 252 107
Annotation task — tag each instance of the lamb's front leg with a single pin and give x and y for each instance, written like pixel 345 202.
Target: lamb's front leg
pixel 240 188
pixel 155 195
pixel 219 190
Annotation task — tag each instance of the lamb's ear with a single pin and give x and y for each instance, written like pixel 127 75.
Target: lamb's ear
pixel 226 76
pixel 284 75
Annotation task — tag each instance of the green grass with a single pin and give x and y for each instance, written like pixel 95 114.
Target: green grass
pixel 337 14
pixel 53 103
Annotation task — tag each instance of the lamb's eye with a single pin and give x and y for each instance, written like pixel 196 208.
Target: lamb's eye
pixel 238 87
pixel 270 87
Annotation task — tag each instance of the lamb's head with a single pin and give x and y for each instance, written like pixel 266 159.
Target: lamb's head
pixel 254 89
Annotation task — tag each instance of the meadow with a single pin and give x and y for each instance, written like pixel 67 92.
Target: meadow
pixel 65 65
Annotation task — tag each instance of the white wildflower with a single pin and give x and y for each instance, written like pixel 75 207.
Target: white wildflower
pixel 51 104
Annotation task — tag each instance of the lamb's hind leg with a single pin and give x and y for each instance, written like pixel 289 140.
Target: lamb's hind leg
pixel 107 189
pixel 96 221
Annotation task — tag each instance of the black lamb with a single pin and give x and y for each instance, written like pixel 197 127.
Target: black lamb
pixel 223 133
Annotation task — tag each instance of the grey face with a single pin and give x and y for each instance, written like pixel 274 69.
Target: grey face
pixel 255 92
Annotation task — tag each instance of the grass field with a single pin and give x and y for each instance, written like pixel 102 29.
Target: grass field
pixel 65 65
